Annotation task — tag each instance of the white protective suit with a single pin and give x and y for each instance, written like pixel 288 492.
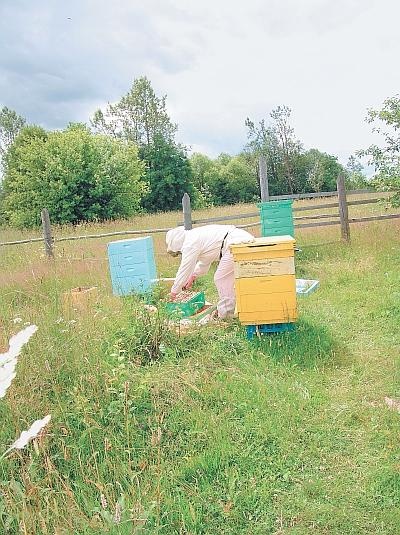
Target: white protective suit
pixel 200 247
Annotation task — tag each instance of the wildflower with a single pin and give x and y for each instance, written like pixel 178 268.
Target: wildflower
pixel 118 513
pixel 103 501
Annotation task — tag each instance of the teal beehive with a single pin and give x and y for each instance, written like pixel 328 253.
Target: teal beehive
pixel 276 218
pixel 132 265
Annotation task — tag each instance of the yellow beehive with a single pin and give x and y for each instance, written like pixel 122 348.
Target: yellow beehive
pixel 265 282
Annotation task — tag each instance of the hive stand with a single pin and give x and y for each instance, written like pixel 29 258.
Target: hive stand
pixel 258 330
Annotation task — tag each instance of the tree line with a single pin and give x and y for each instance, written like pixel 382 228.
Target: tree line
pixel 127 160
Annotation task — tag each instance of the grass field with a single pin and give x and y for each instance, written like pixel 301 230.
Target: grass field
pixel 153 433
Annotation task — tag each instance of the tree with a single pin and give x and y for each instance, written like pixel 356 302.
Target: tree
pixel 202 167
pixel 10 125
pixel 168 173
pixel 277 143
pixel 355 177
pixel 76 175
pixel 140 116
pixel 263 141
pixel 289 145
pixel 386 159
pixel 231 180
pixel 316 171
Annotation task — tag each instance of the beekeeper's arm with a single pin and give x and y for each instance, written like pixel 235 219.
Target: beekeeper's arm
pixel 202 268
pixel 188 264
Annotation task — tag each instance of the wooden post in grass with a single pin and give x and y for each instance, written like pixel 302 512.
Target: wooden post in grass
pixel 47 237
pixel 262 166
pixel 343 210
pixel 187 212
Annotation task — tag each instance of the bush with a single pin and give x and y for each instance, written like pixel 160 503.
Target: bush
pixel 225 180
pixel 76 175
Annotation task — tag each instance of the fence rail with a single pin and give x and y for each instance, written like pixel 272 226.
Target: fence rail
pixel 298 196
pixel 249 215
pixel 339 218
pixel 91 236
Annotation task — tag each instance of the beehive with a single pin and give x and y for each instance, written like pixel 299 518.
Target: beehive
pixel 265 282
pixel 132 265
pixel 276 218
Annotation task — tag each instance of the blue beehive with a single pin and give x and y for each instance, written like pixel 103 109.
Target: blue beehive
pixel 132 265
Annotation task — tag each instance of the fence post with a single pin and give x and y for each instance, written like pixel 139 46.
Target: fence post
pixel 187 212
pixel 262 166
pixel 343 210
pixel 47 237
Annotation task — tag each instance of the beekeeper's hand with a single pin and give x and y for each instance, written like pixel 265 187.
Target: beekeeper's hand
pixel 190 282
pixel 172 297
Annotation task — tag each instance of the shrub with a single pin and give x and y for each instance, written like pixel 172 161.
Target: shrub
pixel 76 175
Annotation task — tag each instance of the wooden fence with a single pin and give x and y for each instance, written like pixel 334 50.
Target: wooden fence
pixel 341 217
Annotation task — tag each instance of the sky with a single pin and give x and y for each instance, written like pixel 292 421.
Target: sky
pixel 217 61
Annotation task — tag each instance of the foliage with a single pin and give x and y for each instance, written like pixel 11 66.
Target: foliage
pixel 233 181
pixel 355 177
pixel 316 171
pixel 276 141
pixel 76 175
pixel 202 170
pixel 386 159
pixel 225 180
pixel 10 125
pixel 140 116
pixel 290 168
pixel 168 173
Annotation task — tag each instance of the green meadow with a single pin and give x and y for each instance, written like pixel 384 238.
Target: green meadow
pixel 207 433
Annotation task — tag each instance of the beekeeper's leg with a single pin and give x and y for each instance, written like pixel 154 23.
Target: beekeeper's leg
pixel 224 279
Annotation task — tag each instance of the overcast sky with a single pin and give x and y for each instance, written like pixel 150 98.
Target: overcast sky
pixel 218 61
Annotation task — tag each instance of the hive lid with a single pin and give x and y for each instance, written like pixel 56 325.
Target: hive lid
pixel 127 240
pixel 275 204
pixel 268 241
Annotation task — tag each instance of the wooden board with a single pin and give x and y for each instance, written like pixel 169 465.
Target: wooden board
pixel 266 303
pixel 272 316
pixel 257 286
pixel 264 267
pixel 264 248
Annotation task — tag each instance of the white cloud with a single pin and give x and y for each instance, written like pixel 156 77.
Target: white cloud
pixel 218 62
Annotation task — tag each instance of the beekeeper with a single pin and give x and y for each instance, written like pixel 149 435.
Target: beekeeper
pixel 200 247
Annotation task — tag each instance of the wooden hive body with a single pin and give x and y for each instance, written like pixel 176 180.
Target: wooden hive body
pixel 265 282
pixel 132 265
pixel 276 218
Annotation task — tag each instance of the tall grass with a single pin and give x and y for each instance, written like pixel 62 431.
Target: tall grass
pixel 207 433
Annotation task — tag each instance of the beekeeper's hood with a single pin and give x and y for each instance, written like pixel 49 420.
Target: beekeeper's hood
pixel 174 240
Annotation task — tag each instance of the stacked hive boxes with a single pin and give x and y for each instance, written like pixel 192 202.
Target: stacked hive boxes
pixel 132 265
pixel 265 283
pixel 276 218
